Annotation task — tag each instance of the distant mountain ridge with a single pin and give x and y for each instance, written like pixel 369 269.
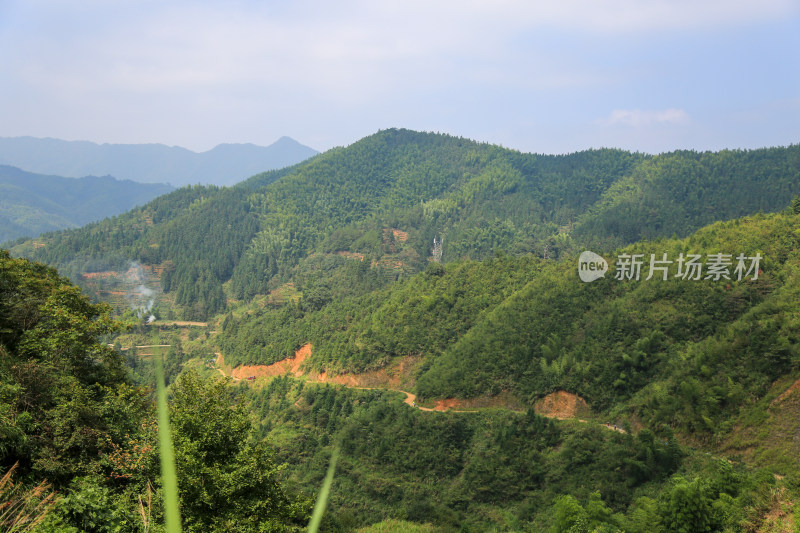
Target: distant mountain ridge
pixel 225 164
pixel 31 204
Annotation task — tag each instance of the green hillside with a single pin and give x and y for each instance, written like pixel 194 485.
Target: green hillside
pixel 686 354
pixel 710 364
pixel 387 196
pixel 679 192
pixel 680 353
pixel 31 204
pixel 680 392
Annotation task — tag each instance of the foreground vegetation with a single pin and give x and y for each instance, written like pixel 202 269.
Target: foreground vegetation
pixel 71 417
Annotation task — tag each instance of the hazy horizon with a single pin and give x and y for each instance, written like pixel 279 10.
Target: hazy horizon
pixel 101 143
pixel 542 78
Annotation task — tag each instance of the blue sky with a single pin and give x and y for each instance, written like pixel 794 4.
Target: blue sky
pixel 546 77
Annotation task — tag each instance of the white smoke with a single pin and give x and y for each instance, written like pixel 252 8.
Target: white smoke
pixel 140 297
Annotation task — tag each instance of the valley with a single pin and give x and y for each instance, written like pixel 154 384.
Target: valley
pixel 412 302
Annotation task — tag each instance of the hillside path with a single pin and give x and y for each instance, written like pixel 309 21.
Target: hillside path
pixel 560 404
pixel 292 365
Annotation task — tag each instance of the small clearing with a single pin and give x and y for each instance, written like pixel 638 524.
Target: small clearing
pixel 153 346
pixel 285 366
pixel 561 405
pixel 395 376
pixel 400 235
pixel 100 275
pixel 390 263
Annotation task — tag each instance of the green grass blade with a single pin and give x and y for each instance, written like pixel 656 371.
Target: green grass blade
pixel 169 477
pixel 322 499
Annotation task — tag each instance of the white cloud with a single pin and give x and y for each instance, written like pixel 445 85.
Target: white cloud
pixel 639 117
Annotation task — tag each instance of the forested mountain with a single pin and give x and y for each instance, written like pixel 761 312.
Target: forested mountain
pixel 712 361
pixel 707 360
pixel 31 204
pixel 682 351
pixel 386 197
pixel 224 164
pixel 676 193
pixel 450 269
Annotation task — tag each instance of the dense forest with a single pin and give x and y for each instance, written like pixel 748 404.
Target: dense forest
pixel 447 269
pixel 216 244
pixel 696 360
pixel 683 354
pixel 501 470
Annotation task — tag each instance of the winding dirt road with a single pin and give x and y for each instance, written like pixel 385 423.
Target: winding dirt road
pixel 411 398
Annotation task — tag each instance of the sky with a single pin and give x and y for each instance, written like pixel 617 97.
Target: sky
pixel 533 75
